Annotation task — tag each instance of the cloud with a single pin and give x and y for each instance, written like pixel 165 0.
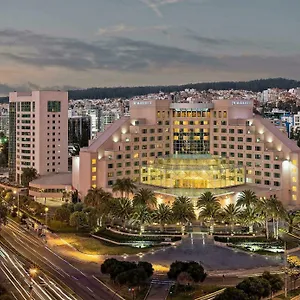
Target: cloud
pixel 122 28
pixel 7 88
pixel 117 53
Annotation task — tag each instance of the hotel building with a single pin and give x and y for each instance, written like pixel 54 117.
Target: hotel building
pixel 38 138
pixel 188 148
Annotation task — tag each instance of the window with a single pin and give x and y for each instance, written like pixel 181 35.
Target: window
pixel 248 147
pixel 231 139
pixel 127 164
pixel 249 140
pixel 240 131
pixel 110 166
pixel 277 175
pixel 136 139
pixel 94 178
pixel 110 174
pixel 25 106
pixel 276 183
pixel 248 155
pixel 127 156
pixel 267 157
pixel 144 131
pixel 119 173
pixel 267 166
pixel 240 147
pixel 231 130
pixel 119 156
pixel 257 148
pixel 267 174
pixel 94 161
pixel 277 167
pixel 223 130
pixel 258 173
pixel 267 182
pixel 127 148
pixel 94 169
pixel 240 155
pixel 119 165
pixel 240 139
pixel 257 156
pixel 54 106
pixel 110 182
pixel 136 147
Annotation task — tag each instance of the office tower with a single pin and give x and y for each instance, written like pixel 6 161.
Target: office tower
pixel 38 123
pixel 79 130
pixel 4 123
pixel 185 148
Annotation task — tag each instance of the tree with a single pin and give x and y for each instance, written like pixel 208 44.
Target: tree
pixel 78 219
pixel 125 186
pixel 145 197
pixel 122 209
pixel 78 206
pixel 232 293
pixel 3 214
pixel 162 215
pixel 183 211
pixel 208 199
pixel 292 218
pixel 62 214
pixel 100 200
pixel 231 214
pixel 250 217
pixel 141 215
pixel 277 212
pixel 28 174
pixel 265 209
pixel 209 214
pixel 194 269
pixel 275 281
pixel 246 199
pixel 185 279
pixel 147 267
pixel 132 278
pixel 254 286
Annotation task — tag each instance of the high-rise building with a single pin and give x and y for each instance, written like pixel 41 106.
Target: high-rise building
pixel 38 123
pixel 79 130
pixel 4 123
pixel 187 148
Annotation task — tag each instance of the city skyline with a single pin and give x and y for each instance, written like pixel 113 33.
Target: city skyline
pixel 150 42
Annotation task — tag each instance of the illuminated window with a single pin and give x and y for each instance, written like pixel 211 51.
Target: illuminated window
pixel 94 186
pixel 94 178
pixel 94 161
pixel 294 179
pixel 136 155
pixel 294 197
pixel 294 188
pixel 294 162
pixel 94 169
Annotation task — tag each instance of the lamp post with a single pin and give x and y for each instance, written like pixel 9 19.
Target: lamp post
pixel 18 195
pixel 46 216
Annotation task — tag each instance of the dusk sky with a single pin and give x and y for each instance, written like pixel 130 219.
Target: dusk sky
pixel 75 43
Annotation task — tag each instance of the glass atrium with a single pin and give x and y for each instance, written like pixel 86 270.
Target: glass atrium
pixel 193 172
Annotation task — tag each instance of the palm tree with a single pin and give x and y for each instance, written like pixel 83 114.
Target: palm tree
pixel 250 217
pixel 145 197
pixel 124 186
pixel 122 209
pixel 292 219
pixel 265 209
pixel 231 214
pixel 208 199
pixel 277 212
pixel 99 199
pixel 162 215
pixel 209 213
pixel 141 215
pixel 183 211
pixel 246 199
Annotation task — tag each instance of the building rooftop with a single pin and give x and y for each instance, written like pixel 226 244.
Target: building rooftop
pixel 54 179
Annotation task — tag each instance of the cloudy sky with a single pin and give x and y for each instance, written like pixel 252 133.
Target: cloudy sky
pixel 76 43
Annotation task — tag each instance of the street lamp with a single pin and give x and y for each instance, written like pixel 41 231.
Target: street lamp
pixel 46 216
pixel 18 195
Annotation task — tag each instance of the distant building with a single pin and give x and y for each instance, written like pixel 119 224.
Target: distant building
pixel 38 125
pixel 4 123
pixel 79 130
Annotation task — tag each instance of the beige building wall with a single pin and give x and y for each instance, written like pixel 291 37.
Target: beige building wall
pixel 225 128
pixel 41 131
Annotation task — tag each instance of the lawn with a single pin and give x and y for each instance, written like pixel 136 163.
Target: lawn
pixel 198 291
pixel 291 295
pixel 92 246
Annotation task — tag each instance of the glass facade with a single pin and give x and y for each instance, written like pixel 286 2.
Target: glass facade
pixel 193 172
pixel 191 131
pixel 12 142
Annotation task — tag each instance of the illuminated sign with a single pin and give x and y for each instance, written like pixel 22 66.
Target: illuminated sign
pixel 241 102
pixel 142 102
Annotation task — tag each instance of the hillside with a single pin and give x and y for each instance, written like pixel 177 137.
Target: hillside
pixel 128 92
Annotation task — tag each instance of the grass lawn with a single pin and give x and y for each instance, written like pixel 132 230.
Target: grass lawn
pixel 198 291
pixel 123 290
pixel 89 245
pixel 291 295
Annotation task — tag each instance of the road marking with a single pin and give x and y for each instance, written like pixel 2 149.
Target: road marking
pixel 90 289
pixel 75 278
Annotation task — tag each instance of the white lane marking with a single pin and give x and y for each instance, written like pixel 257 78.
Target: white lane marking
pixel 74 278
pixel 66 261
pixel 90 290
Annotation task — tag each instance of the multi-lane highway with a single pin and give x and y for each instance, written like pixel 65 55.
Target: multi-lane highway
pixel 81 285
pixel 28 282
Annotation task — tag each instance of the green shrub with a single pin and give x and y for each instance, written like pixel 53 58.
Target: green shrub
pixel 235 240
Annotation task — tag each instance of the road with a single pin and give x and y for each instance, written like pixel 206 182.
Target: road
pixel 85 286
pixel 23 286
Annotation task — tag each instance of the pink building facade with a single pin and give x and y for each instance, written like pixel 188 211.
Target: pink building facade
pixel 222 128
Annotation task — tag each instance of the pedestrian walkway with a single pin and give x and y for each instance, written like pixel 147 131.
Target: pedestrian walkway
pixel 158 291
